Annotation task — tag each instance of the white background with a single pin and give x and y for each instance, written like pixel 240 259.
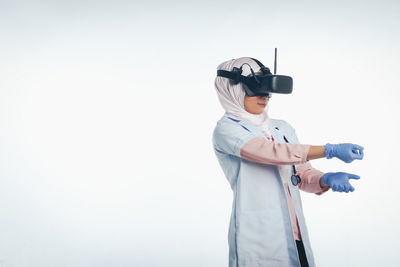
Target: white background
pixel 107 112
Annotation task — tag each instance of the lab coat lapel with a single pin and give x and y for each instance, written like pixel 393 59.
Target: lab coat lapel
pixel 278 137
pixel 287 169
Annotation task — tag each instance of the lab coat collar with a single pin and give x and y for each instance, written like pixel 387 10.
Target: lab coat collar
pixel 252 128
pixel 245 123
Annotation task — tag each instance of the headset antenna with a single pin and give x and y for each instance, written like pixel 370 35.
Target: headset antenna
pixel 275 61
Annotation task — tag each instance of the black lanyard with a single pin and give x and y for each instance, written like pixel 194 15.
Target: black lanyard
pixel 295 178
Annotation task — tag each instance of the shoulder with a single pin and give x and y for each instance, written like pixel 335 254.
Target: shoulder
pixel 228 125
pixel 227 122
pixel 230 133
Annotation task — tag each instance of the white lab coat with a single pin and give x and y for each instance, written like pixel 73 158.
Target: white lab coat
pixel 260 231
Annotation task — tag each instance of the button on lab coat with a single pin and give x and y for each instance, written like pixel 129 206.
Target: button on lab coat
pixel 260 231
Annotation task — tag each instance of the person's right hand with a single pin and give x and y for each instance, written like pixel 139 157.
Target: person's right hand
pixel 346 152
pixel 339 181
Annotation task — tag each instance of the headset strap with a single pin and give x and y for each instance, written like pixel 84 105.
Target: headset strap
pixel 228 74
pixel 258 62
pixel 235 76
pixel 232 75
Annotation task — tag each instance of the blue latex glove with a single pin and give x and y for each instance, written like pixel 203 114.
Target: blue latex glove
pixel 346 152
pixel 339 181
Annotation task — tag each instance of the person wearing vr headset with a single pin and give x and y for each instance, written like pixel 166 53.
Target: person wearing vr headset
pixel 266 166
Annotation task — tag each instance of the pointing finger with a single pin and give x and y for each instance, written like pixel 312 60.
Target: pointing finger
pixel 353 176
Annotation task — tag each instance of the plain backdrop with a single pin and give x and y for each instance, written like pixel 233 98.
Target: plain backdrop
pixel 106 116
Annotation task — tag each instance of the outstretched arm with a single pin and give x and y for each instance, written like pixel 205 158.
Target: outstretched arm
pixel 234 140
pixel 264 151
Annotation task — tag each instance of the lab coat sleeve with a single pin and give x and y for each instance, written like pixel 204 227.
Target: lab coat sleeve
pixel 310 178
pixel 229 138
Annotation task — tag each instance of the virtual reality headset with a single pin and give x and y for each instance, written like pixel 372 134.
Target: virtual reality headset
pixel 260 83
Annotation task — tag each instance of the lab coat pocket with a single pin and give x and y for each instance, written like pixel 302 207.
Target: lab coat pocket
pixel 261 237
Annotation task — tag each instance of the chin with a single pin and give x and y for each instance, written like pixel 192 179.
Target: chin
pixel 257 113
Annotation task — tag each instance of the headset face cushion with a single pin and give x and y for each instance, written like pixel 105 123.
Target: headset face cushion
pixel 255 91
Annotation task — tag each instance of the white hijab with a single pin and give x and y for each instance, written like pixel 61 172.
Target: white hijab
pixel 232 95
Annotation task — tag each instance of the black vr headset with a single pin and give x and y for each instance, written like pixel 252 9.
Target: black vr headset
pixel 260 83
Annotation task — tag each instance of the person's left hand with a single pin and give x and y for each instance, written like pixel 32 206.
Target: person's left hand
pixel 339 181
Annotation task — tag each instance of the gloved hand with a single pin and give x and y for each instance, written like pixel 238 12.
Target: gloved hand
pixel 339 181
pixel 346 152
